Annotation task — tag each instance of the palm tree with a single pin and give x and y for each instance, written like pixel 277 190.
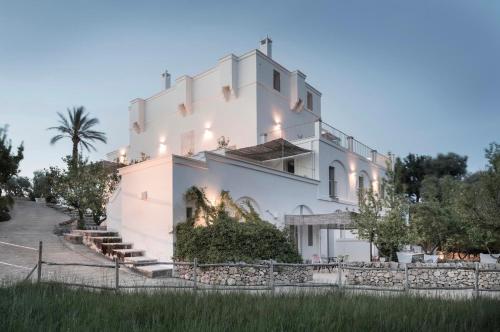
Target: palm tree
pixel 77 127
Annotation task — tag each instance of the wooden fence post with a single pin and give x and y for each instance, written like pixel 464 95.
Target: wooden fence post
pixel 339 282
pixel 39 271
pixel 195 276
pixel 271 277
pixel 117 274
pixel 476 279
pixel 406 280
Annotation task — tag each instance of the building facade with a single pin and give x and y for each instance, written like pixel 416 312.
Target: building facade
pixel 251 127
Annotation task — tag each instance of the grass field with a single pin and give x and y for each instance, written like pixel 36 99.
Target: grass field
pixel 51 307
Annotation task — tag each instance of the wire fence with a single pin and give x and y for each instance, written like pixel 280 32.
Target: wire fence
pixel 189 276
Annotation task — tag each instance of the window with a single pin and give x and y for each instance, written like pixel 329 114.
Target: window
pixel 332 184
pixel 310 235
pixel 276 80
pixel 289 166
pixel 309 101
pixel 361 182
pixel 189 212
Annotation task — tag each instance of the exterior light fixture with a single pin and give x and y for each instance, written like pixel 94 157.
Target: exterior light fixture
pixel 162 148
pixel 208 134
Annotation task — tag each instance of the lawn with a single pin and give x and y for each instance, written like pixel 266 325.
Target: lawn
pixel 52 307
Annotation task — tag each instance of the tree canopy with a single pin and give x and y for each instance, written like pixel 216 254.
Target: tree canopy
pixel 77 127
pixel 411 171
pixel 9 167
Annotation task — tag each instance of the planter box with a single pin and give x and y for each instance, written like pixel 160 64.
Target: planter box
pixel 431 258
pixel 409 257
pixel 486 258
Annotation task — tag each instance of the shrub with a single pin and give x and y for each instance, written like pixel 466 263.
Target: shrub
pixel 226 238
pixel 4 216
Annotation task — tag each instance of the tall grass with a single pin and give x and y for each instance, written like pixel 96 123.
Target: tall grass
pixel 51 307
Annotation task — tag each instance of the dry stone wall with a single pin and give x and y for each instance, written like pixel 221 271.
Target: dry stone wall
pixel 390 275
pixel 440 275
pixel 245 275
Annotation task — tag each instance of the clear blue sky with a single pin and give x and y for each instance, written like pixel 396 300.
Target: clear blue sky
pixel 419 76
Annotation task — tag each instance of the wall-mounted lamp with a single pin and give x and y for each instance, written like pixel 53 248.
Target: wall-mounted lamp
pixel 208 134
pixel 162 147
pixel 122 156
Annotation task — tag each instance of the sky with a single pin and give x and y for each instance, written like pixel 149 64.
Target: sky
pixel 400 76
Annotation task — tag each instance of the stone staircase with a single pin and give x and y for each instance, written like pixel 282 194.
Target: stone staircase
pixel 111 245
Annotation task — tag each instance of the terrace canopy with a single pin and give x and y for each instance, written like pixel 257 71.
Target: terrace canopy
pixel 335 220
pixel 275 149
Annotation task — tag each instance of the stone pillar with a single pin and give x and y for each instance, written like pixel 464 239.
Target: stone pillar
pixel 350 143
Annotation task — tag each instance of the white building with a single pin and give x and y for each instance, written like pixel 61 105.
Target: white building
pixel 280 157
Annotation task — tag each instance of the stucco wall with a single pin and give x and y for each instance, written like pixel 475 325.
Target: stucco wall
pixel 146 204
pixel 209 115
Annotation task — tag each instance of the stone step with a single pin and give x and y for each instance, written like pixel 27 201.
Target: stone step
pixel 74 238
pixel 96 233
pixel 110 247
pixel 122 253
pixel 99 233
pixel 140 260
pixel 154 271
pixel 98 241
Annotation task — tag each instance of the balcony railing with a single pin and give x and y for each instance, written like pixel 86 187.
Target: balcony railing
pixel 326 132
pixel 334 135
pixel 340 138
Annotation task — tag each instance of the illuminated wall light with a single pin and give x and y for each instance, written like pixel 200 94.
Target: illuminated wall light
pixel 122 156
pixel 162 147
pixel 208 134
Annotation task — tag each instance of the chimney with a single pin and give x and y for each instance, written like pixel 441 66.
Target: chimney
pixel 166 79
pixel 266 46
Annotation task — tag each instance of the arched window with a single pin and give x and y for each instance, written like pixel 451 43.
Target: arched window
pixel 302 210
pixel 338 181
pixel 364 181
pixel 245 200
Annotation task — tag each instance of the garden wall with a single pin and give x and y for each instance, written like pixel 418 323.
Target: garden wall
pixel 437 275
pixel 245 275
pixel 388 275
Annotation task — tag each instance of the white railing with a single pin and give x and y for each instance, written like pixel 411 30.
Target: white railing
pixel 334 135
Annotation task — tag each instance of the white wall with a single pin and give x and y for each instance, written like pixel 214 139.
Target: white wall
pixel 114 211
pixel 276 193
pixel 348 168
pixel 274 108
pixel 207 108
pixel 147 222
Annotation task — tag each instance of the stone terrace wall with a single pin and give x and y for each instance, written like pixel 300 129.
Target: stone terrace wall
pixel 245 275
pixel 456 277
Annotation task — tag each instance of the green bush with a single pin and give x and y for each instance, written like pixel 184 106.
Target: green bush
pixel 225 238
pixel 229 240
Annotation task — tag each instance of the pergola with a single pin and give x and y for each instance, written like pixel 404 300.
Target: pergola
pixel 335 220
pixel 275 149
